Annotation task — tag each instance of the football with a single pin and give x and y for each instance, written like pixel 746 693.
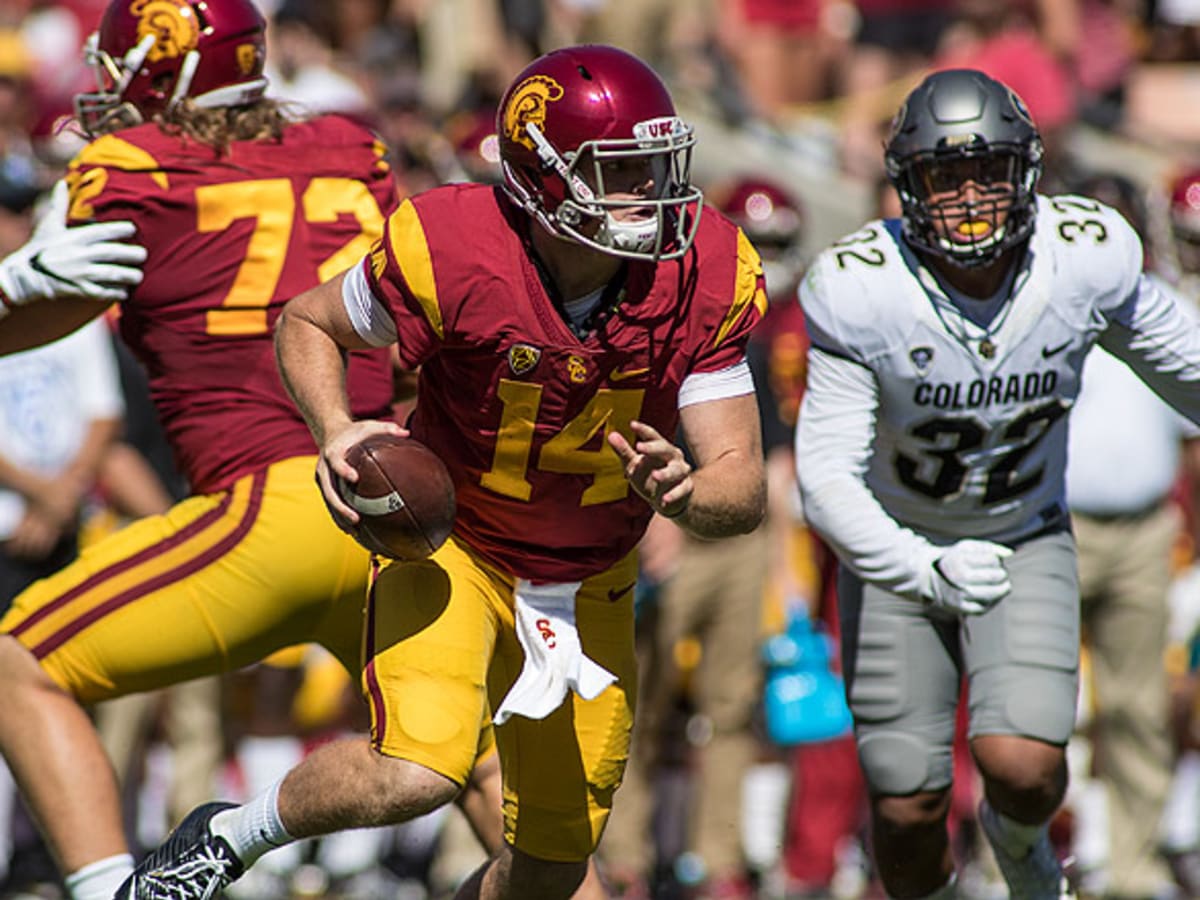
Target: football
pixel 404 497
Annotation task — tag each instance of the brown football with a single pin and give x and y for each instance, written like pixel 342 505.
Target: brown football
pixel 404 497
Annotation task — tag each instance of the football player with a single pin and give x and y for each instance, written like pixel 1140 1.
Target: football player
pixel 946 351
pixel 238 208
pixel 564 324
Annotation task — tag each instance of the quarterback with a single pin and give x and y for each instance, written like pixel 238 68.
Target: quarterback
pixel 237 208
pixel 946 354
pixel 565 323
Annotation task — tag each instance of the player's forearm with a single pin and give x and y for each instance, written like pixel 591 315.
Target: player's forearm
pixel 24 481
pixel 729 497
pixel 865 538
pixel 833 440
pixel 83 470
pixel 313 368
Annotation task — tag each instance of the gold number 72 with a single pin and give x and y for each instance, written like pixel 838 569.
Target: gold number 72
pixel 271 203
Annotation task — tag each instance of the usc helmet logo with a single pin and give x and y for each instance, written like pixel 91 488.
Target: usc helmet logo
pixel 172 23
pixel 528 104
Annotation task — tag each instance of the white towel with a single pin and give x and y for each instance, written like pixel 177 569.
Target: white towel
pixel 554 660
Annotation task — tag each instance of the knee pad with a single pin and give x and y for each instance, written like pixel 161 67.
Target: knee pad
pixel 896 763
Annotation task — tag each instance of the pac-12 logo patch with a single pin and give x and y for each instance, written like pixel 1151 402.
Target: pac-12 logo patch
pixel 922 358
pixel 523 358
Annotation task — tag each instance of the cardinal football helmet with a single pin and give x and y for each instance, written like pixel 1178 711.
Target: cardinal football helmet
pixel 148 55
pixel 1185 220
pixel 583 124
pixel 961 126
pixel 773 220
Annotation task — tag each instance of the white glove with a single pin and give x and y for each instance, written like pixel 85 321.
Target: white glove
pixel 90 261
pixel 970 578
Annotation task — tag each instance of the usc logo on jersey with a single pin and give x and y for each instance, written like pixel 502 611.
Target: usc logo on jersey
pixel 528 104
pixel 577 369
pixel 172 23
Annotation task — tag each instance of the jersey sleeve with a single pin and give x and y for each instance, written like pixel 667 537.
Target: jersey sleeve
pixel 115 178
pixel 1159 338
pixel 836 310
pixel 727 346
pixel 833 445
pixel 400 274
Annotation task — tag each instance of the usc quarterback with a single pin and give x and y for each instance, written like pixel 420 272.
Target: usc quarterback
pixel 238 208
pixel 565 323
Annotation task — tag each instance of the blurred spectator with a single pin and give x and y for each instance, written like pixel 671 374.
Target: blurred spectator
pixel 1174 31
pixel 300 63
pixel 476 145
pixel 893 45
pixel 1001 38
pixel 60 409
pixel 1125 530
pixel 783 51
pixel 1184 224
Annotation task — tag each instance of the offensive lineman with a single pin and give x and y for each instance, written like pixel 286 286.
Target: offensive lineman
pixel 946 352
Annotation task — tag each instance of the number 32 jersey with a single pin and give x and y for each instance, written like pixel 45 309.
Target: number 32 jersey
pixel 921 427
pixel 230 238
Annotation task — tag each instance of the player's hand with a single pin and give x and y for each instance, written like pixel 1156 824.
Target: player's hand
pixel 34 538
pixel 655 468
pixel 90 261
pixel 332 464
pixel 970 578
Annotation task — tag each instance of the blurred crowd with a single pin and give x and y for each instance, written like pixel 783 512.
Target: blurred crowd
pixel 743 780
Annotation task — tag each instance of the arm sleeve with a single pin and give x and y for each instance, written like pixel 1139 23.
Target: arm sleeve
pixel 368 315
pixel 1154 335
pixel 833 441
pixel 733 381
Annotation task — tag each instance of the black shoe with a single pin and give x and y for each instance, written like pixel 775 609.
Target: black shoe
pixel 191 864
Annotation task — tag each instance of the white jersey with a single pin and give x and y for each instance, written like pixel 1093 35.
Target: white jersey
pixel 919 427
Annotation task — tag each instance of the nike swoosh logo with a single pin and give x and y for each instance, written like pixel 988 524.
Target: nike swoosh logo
pixel 35 263
pixel 628 373
pixel 616 594
pixel 1048 352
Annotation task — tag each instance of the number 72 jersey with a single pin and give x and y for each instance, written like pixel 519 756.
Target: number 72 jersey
pixel 231 236
pixel 967 424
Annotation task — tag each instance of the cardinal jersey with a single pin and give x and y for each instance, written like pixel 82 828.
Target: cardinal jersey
pixel 230 238
pixel 963 428
pixel 518 406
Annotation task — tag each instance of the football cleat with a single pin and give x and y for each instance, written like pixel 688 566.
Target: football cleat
pixel 191 864
pixel 1038 875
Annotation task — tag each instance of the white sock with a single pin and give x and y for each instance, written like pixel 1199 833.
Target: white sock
pixel 253 828
pixel 99 880
pixel 1015 838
